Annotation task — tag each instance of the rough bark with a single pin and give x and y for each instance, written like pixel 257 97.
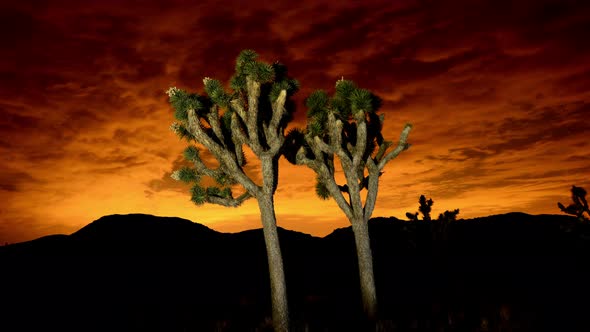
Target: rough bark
pixel 245 131
pixel 353 164
pixel 365 261
pixel 278 289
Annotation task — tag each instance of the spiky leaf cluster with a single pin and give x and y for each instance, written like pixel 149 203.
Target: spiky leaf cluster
pixel 201 195
pixel 289 85
pixel 321 190
pixel 198 195
pixel 317 104
pixel 182 101
pixel 224 179
pixel 191 153
pixel 224 122
pixel 246 64
pixel 216 92
pixel 188 175
pixel 181 131
pixel 348 103
pixel 294 140
pixel 219 192
pixel 238 82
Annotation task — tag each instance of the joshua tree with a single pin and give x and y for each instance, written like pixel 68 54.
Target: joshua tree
pixel 425 208
pixel 438 227
pixel 255 114
pixel 346 126
pixel 579 206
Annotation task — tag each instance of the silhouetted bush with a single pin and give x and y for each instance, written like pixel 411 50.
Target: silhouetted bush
pixel 579 206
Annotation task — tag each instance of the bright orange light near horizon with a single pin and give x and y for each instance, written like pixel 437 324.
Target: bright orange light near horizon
pixel 497 93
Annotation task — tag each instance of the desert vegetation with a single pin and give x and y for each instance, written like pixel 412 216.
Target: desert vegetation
pixel 579 207
pixel 255 115
pixel 510 272
pixel 346 127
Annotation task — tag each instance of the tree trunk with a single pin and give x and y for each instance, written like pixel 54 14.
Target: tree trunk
pixel 365 261
pixel 278 289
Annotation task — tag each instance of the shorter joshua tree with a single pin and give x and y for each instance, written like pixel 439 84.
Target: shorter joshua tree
pixel 425 208
pixel 580 205
pixel 439 226
pixel 346 126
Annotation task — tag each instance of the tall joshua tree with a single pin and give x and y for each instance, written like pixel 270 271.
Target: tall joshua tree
pixel 346 126
pixel 254 114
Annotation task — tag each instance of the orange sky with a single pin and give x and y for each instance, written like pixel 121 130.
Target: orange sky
pixel 498 93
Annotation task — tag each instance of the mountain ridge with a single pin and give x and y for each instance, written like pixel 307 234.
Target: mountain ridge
pixel 175 268
pixel 109 225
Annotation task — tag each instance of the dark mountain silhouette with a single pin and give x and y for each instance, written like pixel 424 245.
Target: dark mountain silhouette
pixel 144 273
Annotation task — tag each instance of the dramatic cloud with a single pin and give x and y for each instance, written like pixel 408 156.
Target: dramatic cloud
pixel 498 93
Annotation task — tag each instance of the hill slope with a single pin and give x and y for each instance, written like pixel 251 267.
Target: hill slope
pixel 171 274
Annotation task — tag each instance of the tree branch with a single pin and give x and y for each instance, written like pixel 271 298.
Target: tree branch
pixel 239 108
pixel 372 188
pixel 382 148
pixel 252 122
pixel 194 127
pixel 238 134
pixel 273 131
pixel 204 170
pixel 402 145
pixel 325 148
pixel 238 138
pixel 315 149
pixel 335 192
pixel 361 144
pixel 335 132
pixel 213 119
pixel 225 157
pixel 229 201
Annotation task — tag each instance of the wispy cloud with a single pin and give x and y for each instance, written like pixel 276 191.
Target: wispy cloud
pixel 498 93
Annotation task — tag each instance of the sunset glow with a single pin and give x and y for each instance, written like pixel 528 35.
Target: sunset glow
pixel 498 94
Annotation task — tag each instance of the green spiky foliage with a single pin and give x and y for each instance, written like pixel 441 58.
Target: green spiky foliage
pixel 253 114
pixel 345 127
pixel 579 205
pixel 215 114
pixel 321 190
pixel 295 139
pixel 351 106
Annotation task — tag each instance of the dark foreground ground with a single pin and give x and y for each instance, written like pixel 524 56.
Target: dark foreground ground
pixel 513 272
